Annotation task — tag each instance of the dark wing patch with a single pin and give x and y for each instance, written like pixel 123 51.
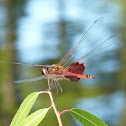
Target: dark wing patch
pixel 75 68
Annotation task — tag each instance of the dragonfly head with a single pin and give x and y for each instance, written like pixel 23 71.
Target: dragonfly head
pixel 45 70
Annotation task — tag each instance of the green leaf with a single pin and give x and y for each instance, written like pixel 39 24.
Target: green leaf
pixel 35 118
pixel 25 108
pixel 86 119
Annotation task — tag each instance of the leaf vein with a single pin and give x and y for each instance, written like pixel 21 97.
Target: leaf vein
pixel 85 118
pixel 24 110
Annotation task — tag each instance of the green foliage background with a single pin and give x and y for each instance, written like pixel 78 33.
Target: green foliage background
pixel 11 95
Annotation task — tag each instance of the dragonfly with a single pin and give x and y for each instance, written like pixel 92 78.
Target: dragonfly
pixel 75 70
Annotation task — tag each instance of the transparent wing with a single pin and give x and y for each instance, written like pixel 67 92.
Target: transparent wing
pixel 31 79
pixel 89 57
pixel 24 63
pixel 83 41
pixel 39 78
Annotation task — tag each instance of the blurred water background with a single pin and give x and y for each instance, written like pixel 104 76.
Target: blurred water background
pixel 41 32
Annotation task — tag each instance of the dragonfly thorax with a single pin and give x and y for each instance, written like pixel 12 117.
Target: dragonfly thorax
pixel 54 69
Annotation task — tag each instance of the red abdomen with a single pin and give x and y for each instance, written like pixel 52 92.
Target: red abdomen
pixel 75 68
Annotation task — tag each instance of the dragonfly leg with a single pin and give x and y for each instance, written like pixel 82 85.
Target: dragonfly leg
pixel 57 90
pixel 57 85
pixel 49 85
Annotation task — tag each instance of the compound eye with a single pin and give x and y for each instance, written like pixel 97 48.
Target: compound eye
pixel 45 70
pixel 43 73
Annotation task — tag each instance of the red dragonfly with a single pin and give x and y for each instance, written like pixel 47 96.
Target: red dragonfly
pixel 74 71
